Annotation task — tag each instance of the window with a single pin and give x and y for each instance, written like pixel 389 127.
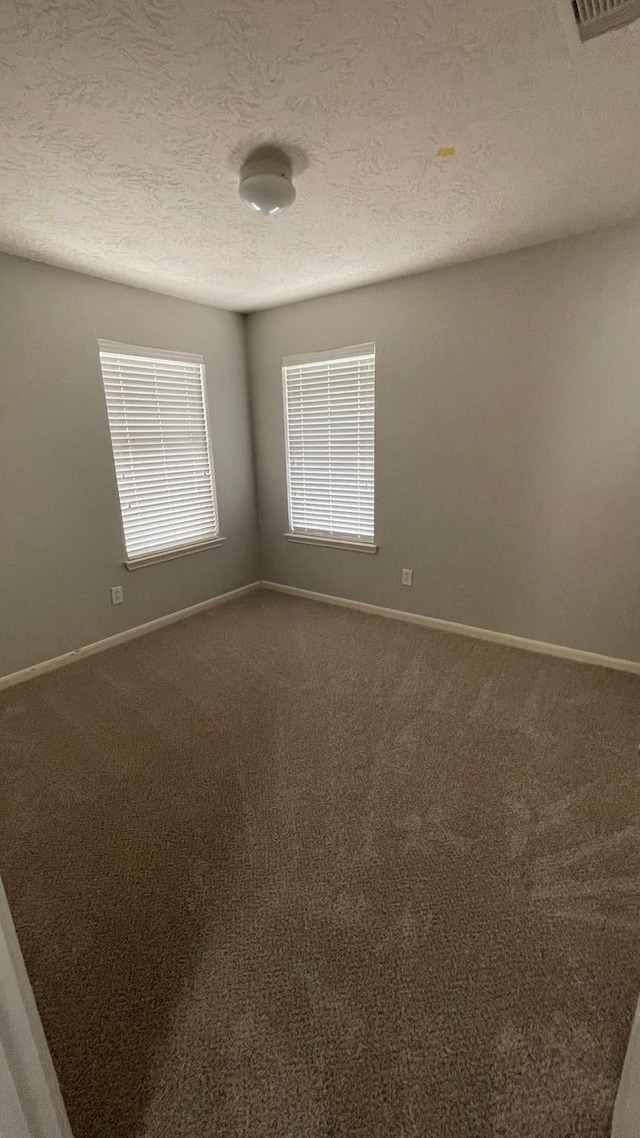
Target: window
pixel 329 404
pixel 158 423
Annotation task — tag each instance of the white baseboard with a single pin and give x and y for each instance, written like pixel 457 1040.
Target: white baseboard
pixel 120 637
pixel 559 650
pixel 576 654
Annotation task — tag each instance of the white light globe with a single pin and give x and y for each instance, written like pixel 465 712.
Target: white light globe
pixel 265 181
pixel 267 193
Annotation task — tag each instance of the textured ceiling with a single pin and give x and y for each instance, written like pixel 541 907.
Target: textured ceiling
pixel 125 122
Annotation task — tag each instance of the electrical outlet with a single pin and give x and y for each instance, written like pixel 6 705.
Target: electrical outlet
pixel 407 576
pixel 117 595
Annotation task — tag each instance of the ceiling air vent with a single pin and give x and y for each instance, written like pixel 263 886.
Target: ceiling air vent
pixel 595 17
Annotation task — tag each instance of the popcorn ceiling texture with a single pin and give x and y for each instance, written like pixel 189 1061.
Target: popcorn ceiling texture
pixel 125 123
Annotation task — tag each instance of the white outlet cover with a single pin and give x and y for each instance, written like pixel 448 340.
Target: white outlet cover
pixel 117 596
pixel 407 576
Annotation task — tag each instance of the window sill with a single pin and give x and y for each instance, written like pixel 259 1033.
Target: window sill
pixel 332 542
pixel 171 554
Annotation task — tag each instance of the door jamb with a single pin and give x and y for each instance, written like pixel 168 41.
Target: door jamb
pixel 31 1104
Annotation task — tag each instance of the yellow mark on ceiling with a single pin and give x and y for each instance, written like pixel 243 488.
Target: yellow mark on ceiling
pixel 446 152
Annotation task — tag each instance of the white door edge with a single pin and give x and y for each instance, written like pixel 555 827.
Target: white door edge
pixel 626 1115
pixel 31 1105
pixel 13 1123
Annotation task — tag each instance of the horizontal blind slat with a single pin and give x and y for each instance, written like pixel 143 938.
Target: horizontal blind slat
pixel 159 435
pixel 177 529
pixel 329 420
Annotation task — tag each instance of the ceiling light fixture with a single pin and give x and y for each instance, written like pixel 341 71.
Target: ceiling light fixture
pixel 265 182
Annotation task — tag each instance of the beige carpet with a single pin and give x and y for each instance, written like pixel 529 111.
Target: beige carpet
pixel 285 869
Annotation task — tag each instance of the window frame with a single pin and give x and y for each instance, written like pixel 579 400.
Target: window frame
pixel 308 537
pixel 183 549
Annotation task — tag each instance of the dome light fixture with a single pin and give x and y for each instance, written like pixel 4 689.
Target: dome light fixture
pixel 266 184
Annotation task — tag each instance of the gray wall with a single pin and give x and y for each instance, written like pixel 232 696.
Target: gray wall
pixel 60 532
pixel 507 442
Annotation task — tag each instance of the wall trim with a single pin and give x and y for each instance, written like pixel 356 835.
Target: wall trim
pixel 578 655
pixel 56 662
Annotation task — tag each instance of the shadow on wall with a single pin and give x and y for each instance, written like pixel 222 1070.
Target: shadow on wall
pixel 532 471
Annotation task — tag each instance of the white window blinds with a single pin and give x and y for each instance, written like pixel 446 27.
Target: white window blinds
pixel 158 424
pixel 329 418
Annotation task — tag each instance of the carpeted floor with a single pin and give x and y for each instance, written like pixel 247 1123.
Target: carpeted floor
pixel 289 870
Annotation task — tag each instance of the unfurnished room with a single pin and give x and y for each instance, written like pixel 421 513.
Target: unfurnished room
pixel 319 569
